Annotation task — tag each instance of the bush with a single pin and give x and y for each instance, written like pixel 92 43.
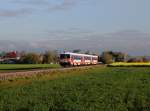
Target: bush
pixel 50 57
pixel 30 58
pixel 106 58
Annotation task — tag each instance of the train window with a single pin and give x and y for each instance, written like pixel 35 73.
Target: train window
pixel 64 56
pixel 94 58
pixel 87 58
pixel 77 57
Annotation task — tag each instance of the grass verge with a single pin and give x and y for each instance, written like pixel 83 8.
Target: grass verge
pixel 11 67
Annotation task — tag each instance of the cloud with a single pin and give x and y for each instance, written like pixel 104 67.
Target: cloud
pixel 14 13
pixel 51 6
pixel 31 2
pixel 37 5
pixel 66 4
pixel 68 34
pixel 130 41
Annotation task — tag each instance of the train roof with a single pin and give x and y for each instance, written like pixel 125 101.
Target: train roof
pixel 79 54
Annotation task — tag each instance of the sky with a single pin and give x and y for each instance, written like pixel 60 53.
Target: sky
pixel 96 25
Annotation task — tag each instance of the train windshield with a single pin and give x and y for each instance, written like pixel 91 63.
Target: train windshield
pixel 64 56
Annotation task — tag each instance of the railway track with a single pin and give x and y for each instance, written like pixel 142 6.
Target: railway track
pixel 31 73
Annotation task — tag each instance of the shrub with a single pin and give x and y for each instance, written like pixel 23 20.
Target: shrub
pixel 30 58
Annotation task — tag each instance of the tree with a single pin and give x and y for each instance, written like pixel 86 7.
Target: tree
pixel 77 51
pixel 106 57
pixel 50 57
pixel 146 59
pixel 136 59
pixel 30 58
pixel 87 52
pixel 119 56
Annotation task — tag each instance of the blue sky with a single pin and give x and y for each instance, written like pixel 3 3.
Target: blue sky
pixel 60 19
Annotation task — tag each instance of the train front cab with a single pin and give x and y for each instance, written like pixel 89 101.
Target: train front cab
pixel 65 60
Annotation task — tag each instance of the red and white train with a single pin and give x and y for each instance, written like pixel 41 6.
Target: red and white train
pixel 75 59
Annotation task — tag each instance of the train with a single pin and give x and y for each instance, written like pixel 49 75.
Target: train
pixel 76 59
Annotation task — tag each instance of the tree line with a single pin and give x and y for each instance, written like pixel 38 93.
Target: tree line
pixel 108 57
pixel 48 57
pixel 52 57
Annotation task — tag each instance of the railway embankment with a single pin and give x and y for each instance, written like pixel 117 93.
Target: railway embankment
pixel 32 73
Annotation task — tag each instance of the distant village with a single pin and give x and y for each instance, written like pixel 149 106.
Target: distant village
pixel 15 57
pixel 9 57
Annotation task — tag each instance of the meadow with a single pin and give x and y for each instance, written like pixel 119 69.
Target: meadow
pixel 132 64
pixel 94 89
pixel 6 67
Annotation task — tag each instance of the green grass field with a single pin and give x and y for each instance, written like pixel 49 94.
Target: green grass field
pixel 96 89
pixel 5 67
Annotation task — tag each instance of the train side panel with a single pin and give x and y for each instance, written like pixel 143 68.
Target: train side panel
pixel 74 59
